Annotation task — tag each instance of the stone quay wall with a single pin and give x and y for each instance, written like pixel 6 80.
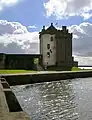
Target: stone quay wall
pixel 30 78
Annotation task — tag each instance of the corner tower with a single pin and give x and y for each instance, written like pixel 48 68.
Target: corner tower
pixel 48 46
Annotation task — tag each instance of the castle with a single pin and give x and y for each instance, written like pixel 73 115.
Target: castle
pixel 55 52
pixel 56 48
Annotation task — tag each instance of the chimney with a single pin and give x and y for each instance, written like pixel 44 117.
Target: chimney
pixel 51 24
pixel 64 28
pixel 43 27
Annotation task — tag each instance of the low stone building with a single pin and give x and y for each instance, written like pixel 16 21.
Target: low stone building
pixel 18 61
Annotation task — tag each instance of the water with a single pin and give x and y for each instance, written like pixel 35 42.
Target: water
pixel 89 68
pixel 59 100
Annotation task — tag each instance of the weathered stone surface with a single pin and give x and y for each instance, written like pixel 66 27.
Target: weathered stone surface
pixel 4 110
pixel 45 76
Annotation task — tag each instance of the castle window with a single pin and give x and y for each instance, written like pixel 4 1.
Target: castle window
pixel 48 46
pixel 51 38
pixel 48 54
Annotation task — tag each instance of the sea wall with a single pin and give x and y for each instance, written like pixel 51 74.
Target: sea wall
pixel 30 78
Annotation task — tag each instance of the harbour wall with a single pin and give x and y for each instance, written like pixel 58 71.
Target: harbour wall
pixel 30 78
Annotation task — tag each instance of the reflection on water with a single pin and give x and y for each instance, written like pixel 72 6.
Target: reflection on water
pixel 60 100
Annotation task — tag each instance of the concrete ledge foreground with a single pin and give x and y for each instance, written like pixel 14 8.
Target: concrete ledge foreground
pixel 43 76
pixel 9 106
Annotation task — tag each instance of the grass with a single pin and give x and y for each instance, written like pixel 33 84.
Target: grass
pixel 15 71
pixel 31 71
pixel 78 69
pixel 75 69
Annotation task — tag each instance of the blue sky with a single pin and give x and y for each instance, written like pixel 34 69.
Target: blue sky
pixel 21 21
pixel 32 12
pixel 28 12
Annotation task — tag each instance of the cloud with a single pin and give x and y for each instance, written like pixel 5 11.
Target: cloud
pixel 28 43
pixel 11 28
pixel 32 27
pixel 82 41
pixel 8 3
pixel 11 48
pixel 16 48
pixel 15 38
pixel 67 8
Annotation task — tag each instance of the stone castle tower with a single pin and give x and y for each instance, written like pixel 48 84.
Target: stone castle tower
pixel 56 48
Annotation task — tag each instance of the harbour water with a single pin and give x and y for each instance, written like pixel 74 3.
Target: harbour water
pixel 59 100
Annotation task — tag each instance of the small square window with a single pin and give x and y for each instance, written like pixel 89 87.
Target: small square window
pixel 48 46
pixel 48 54
pixel 51 38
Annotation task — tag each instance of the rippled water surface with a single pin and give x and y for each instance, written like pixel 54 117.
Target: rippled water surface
pixel 60 100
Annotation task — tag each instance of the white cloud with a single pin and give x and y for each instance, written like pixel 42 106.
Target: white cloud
pixel 8 3
pixel 11 28
pixel 23 43
pixel 67 8
pixel 82 43
pixel 32 27
pixel 16 35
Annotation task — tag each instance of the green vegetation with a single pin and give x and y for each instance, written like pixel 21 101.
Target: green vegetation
pixel 32 71
pixel 36 60
pixel 78 69
pixel 75 69
pixel 15 71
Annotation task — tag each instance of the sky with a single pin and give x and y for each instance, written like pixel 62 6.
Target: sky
pixel 21 21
